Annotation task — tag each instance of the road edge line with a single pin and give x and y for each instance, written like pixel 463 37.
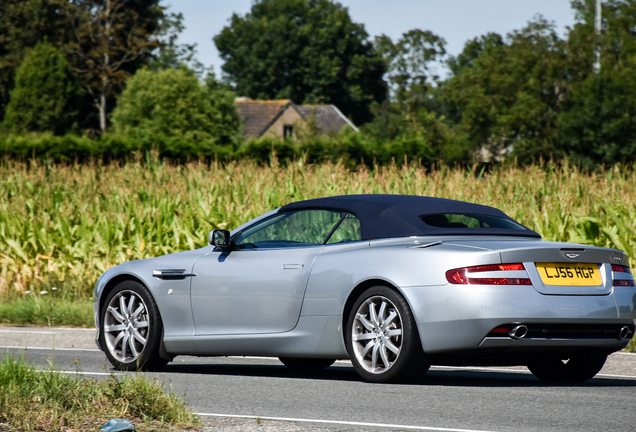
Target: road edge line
pixel 339 422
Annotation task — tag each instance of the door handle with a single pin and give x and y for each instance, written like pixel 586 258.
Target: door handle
pixel 292 266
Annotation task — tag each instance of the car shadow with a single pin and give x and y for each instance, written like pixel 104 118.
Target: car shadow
pixel 477 378
pixel 434 377
pixel 272 371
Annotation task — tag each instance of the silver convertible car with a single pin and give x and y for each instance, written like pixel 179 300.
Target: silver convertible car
pixel 394 283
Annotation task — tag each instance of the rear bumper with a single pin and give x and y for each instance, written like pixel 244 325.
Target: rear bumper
pixel 460 318
pixel 551 345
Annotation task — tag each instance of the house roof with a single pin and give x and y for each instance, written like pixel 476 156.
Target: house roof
pixel 328 117
pixel 259 115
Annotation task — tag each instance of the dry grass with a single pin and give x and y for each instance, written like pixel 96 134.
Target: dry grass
pixel 63 225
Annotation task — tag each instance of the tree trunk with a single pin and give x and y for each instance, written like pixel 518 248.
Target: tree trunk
pixel 102 112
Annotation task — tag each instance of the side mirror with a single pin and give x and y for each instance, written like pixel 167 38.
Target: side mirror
pixel 219 238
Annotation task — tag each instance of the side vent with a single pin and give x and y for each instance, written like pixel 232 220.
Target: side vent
pixel 171 274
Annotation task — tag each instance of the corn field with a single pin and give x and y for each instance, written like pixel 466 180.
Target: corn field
pixel 62 225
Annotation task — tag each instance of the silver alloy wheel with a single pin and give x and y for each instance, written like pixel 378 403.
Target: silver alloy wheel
pixel 376 334
pixel 126 326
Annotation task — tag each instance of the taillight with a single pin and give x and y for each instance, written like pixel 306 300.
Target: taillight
pixel 621 269
pixel 622 282
pixel 460 276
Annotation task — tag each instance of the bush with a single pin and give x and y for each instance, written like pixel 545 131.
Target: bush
pixel 109 147
pixel 349 147
pixel 47 145
pixel 174 109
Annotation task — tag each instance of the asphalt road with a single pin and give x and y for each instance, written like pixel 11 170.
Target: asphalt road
pixel 231 392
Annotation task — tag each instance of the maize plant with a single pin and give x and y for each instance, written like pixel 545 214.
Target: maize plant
pixel 62 225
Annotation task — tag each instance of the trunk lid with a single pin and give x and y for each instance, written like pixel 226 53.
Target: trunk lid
pixel 559 268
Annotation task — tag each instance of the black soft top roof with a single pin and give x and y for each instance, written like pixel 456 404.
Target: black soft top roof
pixel 385 216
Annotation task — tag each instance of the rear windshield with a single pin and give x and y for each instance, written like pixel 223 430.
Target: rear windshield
pixel 461 221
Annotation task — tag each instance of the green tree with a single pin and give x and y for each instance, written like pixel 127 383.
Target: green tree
pixel 171 54
pixel 46 96
pixel 23 23
pixel 410 65
pixel 111 38
pixel 105 41
pixel 173 103
pixel 504 98
pixel 599 122
pixel 472 50
pixel 410 114
pixel 309 51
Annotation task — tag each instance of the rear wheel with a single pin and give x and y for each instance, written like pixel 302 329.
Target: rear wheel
pixel 382 337
pixel 131 328
pixel 578 368
pixel 306 364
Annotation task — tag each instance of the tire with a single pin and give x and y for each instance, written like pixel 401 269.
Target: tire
pixel 131 328
pixel 382 338
pixel 578 368
pixel 306 364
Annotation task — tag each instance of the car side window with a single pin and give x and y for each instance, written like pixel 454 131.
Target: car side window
pixel 460 220
pixel 290 229
pixel 347 231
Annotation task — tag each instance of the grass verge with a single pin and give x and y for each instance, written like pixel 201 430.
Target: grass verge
pixel 41 311
pixel 32 400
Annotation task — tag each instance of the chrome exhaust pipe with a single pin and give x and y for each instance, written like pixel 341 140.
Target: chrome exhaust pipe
pixel 623 333
pixel 518 332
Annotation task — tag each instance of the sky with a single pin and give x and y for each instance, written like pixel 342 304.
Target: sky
pixel 457 21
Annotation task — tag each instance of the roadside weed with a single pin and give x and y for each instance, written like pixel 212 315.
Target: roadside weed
pixel 33 400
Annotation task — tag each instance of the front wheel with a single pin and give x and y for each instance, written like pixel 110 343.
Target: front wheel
pixel 131 328
pixel 578 368
pixel 382 337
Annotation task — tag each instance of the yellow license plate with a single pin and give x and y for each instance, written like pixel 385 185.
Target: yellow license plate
pixel 576 274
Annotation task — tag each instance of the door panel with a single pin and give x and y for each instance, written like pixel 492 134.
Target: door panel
pixel 250 291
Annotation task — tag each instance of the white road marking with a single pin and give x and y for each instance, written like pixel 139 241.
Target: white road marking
pixel 86 373
pixel 21 330
pixel 480 369
pixel 348 423
pixel 26 331
pixel 50 348
pixel 615 376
